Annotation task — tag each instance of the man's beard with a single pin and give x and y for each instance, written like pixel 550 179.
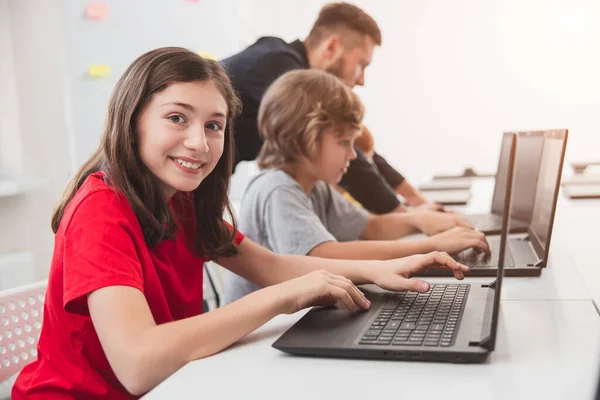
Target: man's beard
pixel 337 68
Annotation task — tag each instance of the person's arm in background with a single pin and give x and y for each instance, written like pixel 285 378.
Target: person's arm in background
pixel 413 196
pixel 369 187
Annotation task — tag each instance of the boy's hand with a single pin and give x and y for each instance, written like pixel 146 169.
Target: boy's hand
pixel 396 274
pixel 432 222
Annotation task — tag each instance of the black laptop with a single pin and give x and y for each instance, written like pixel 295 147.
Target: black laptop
pixel 528 158
pixel 450 323
pixel 526 255
pixel 598 389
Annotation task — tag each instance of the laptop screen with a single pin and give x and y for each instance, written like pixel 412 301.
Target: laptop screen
pixel 546 189
pixel 598 389
pixel 502 175
pixel 529 152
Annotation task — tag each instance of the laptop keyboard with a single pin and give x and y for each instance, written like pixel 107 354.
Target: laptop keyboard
pixel 419 319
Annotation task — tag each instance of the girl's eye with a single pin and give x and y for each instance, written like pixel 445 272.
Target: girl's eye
pixel 213 126
pixel 177 118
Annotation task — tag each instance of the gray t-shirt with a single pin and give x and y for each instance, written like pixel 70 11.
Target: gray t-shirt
pixel 277 213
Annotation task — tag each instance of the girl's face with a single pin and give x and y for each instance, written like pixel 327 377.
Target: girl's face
pixel 334 156
pixel 181 134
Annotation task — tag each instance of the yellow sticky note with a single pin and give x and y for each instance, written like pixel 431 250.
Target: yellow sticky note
pixel 98 71
pixel 96 11
pixel 209 56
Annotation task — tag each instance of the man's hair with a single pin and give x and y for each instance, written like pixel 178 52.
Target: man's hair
pixel 340 18
pixel 297 109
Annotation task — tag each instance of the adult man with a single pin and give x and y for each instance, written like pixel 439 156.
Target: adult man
pixel 342 42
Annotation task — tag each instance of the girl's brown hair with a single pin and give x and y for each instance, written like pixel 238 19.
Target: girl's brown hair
pixel 118 155
pixel 295 111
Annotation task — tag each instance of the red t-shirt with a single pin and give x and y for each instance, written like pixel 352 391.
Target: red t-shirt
pixel 100 243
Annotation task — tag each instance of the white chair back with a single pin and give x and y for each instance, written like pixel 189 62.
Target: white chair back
pixel 21 313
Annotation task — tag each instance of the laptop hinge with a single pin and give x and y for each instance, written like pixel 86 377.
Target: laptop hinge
pixel 539 263
pixel 485 343
pixel 491 285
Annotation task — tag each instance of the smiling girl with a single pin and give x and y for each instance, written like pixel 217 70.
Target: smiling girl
pixel 134 227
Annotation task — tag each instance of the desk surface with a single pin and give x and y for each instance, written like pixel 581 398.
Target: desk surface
pixel 575 234
pixel 543 352
pixel 548 340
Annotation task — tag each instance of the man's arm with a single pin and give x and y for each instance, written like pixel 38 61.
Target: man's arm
pixel 391 176
pixel 369 187
pixel 401 186
pixel 413 196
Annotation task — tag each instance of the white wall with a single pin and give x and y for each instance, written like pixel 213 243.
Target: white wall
pixel 51 112
pixel 38 125
pixel 452 75
pixel 132 28
pixel 449 78
pixel 10 146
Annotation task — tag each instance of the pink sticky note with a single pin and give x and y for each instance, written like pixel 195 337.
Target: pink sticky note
pixel 96 11
pixel 192 1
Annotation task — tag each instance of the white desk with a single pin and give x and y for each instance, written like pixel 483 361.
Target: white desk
pixel 548 344
pixel 545 350
pixel 576 233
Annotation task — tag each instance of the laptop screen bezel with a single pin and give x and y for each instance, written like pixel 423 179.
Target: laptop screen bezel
pixel 497 189
pixel 503 243
pixel 536 242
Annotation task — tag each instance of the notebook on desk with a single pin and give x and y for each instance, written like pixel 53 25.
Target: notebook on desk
pixel 467 173
pixel 590 191
pixel 526 255
pixel 449 197
pixel 581 180
pixel 580 167
pixel 447 184
pixel 450 323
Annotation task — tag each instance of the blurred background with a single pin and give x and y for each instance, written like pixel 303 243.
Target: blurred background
pixel 448 80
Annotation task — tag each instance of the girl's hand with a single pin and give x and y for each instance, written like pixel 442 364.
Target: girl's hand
pixel 320 288
pixel 396 274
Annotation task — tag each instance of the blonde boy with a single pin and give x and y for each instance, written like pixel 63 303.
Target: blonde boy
pixel 309 120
